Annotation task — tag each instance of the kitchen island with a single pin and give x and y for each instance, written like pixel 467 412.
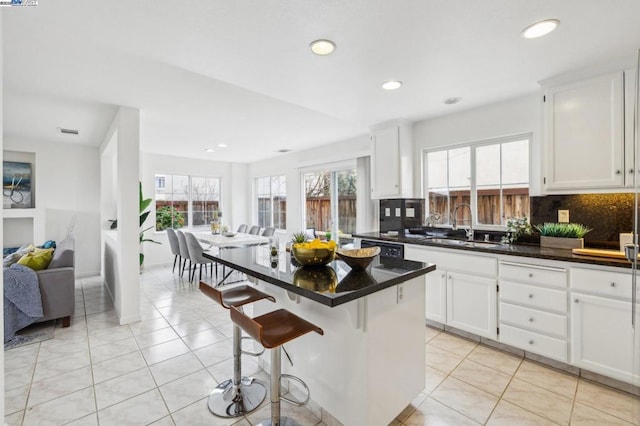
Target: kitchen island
pixel 370 363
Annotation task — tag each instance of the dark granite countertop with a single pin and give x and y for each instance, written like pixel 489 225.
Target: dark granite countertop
pixel 331 285
pixel 524 250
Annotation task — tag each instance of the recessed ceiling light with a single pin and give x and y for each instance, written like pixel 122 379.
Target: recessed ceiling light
pixel 452 100
pixel 67 131
pixel 209 150
pixel 222 145
pixel 540 29
pixel 322 47
pixel 391 85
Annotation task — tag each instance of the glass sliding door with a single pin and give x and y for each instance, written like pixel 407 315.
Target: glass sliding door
pixel 330 200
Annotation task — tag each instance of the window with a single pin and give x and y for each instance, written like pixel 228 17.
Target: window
pixel 272 201
pixel 186 201
pixel 492 177
pixel 330 200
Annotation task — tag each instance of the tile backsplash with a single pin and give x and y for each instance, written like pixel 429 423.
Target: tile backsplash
pixel 607 214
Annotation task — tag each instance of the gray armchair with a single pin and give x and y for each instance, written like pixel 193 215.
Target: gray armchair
pixel 57 284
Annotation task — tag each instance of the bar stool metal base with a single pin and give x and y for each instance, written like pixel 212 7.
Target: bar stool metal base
pixel 284 421
pixel 224 401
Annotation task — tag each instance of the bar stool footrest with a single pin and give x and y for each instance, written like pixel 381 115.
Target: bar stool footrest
pixel 304 385
pixel 248 352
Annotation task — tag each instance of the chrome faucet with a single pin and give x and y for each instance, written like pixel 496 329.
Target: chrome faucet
pixel 454 225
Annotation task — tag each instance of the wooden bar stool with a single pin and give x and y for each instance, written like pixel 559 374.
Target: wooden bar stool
pixel 240 395
pixel 273 330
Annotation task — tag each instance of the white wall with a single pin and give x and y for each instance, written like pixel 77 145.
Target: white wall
pixel 153 163
pixel 514 116
pixel 67 188
pixel 290 165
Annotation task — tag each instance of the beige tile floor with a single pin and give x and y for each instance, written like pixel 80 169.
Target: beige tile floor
pixel 160 370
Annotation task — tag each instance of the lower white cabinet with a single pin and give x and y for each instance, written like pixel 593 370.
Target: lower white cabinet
pixel 471 304
pixel 436 296
pixel 602 337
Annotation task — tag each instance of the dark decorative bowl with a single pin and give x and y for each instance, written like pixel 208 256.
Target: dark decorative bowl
pixel 313 256
pixel 358 259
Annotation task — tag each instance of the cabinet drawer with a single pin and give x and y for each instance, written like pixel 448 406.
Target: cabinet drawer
pixel 533 319
pixel 604 283
pixel 452 260
pixel 536 297
pixel 534 342
pixel 533 274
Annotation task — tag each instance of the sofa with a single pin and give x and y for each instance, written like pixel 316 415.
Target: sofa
pixel 57 284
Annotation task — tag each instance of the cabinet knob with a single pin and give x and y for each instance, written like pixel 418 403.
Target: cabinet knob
pixel 613 284
pixel 576 301
pixel 630 171
pixel 618 172
pixel 530 296
pixel 449 277
pixel 530 319
pixel 531 342
pixel 530 275
pixel 443 275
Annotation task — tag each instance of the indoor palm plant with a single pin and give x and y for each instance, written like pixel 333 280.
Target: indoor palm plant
pixel 562 235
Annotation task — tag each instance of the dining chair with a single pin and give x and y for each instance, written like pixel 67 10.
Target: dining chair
pixel 195 253
pixel 268 231
pixel 242 229
pixel 255 230
pixel 184 252
pixel 175 248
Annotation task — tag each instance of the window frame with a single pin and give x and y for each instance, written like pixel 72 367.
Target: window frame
pixel 189 227
pixel 257 202
pixel 473 184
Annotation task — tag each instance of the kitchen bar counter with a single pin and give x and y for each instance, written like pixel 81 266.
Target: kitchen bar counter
pixel 524 250
pixel 369 364
pixel 331 285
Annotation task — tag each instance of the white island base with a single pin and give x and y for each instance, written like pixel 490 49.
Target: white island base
pixel 370 363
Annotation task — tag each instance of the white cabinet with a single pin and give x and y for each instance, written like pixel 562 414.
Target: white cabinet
pixel 471 304
pixel 584 134
pixel 392 161
pixel 462 291
pixel 533 308
pixel 630 164
pixel 602 336
pixel 436 296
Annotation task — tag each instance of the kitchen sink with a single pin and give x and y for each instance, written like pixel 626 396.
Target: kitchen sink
pixel 464 243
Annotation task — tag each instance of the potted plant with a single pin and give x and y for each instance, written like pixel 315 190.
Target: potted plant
pixel 516 228
pixel 562 235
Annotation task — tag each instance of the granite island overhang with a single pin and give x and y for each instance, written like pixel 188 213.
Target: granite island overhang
pixel 370 363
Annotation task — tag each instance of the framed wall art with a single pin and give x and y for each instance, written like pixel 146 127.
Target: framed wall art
pixel 16 185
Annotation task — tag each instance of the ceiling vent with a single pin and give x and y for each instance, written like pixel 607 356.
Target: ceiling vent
pixel 68 131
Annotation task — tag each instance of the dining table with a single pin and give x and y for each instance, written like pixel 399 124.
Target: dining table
pixel 228 241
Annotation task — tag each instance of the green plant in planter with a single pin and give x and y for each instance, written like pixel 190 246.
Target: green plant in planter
pixel 516 227
pixel 562 230
pixel 144 205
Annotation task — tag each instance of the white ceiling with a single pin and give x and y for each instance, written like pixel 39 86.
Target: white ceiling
pixel 240 72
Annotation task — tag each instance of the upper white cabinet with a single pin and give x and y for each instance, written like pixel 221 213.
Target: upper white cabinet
pixel 392 164
pixel 584 128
